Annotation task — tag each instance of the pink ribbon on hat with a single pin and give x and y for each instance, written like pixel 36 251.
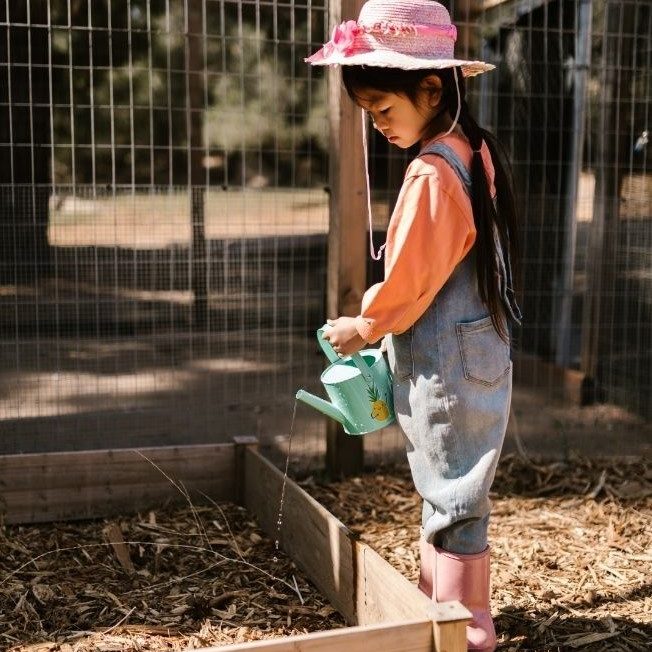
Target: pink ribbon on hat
pixel 344 35
pixel 393 29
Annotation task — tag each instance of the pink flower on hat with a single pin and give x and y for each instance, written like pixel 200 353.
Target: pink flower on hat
pixel 344 35
pixel 342 38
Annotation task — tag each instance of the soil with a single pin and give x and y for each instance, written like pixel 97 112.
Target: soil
pixel 166 580
pixel 571 547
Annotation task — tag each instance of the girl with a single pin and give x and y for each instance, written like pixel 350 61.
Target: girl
pixel 447 299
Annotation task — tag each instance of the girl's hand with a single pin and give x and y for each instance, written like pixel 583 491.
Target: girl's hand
pixel 344 336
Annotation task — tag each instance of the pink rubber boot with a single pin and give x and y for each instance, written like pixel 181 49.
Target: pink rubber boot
pixel 427 567
pixel 466 578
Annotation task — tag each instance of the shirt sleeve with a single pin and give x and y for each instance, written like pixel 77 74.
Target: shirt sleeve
pixel 429 234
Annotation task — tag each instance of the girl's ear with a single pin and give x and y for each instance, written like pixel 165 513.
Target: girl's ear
pixel 433 88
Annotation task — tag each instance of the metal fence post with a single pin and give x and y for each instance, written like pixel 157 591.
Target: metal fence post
pixel 194 121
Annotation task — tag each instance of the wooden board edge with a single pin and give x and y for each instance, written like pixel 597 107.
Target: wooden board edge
pixel 385 595
pixel 357 581
pixel 315 540
pixel 82 498
pixel 413 636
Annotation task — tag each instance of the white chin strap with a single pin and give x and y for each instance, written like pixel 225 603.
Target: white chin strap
pixel 459 104
pixel 365 147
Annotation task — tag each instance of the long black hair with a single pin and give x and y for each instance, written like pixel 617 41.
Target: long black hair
pixel 489 218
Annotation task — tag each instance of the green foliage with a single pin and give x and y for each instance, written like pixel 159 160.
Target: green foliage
pixel 124 92
pixel 250 105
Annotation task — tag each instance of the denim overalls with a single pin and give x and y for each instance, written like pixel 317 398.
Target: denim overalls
pixel 452 391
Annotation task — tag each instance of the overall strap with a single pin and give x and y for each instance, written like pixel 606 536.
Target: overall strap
pixel 503 258
pixel 450 156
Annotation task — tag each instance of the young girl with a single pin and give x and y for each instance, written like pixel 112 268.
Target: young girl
pixel 447 299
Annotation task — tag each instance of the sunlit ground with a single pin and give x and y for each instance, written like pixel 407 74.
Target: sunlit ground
pixel 162 218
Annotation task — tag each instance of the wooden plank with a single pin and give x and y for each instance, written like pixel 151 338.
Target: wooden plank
pixel 320 544
pixel 196 79
pixel 402 637
pixel 361 585
pixel 347 235
pixel 385 595
pixel 41 487
pixel 451 637
pixel 242 442
pixel 44 505
pixel 347 229
pixel 599 329
pixel 118 466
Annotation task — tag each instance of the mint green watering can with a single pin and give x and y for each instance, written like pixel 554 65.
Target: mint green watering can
pixel 360 389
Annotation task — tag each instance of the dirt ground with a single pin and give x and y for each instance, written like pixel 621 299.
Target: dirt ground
pixel 571 547
pixel 164 580
pixel 173 388
pixel 571 551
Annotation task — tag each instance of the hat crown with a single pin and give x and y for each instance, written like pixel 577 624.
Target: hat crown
pixel 419 12
pixel 404 34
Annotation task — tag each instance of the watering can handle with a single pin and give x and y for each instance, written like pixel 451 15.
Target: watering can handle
pixel 358 360
pixel 326 345
pixel 364 368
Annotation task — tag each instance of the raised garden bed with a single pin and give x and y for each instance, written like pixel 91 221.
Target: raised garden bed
pixel 379 603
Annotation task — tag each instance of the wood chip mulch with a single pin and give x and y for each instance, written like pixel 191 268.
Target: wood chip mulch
pixel 571 547
pixel 571 562
pixel 166 580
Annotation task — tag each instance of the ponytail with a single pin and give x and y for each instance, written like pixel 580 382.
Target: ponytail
pixel 495 221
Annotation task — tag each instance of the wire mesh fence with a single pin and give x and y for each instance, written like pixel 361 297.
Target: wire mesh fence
pixel 572 102
pixel 164 216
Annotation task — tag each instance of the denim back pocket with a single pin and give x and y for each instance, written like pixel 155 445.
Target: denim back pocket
pixel 485 356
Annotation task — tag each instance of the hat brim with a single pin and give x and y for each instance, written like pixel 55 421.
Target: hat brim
pixel 391 59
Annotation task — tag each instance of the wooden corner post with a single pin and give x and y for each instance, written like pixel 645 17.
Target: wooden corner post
pixel 347 233
pixel 242 444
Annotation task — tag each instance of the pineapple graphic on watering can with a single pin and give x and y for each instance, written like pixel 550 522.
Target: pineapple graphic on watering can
pixel 359 387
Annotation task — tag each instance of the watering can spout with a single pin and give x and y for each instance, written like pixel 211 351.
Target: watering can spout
pixel 323 406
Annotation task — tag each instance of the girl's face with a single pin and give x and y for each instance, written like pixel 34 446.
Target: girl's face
pixel 400 120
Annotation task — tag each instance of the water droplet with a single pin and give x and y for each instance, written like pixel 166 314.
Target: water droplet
pixel 275 559
pixel 279 521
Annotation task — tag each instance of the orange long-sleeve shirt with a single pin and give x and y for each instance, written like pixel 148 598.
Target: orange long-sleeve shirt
pixel 430 232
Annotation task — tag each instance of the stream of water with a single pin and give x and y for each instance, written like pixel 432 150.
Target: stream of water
pixel 279 520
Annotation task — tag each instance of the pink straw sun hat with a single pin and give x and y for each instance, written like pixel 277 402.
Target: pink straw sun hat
pixel 408 34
